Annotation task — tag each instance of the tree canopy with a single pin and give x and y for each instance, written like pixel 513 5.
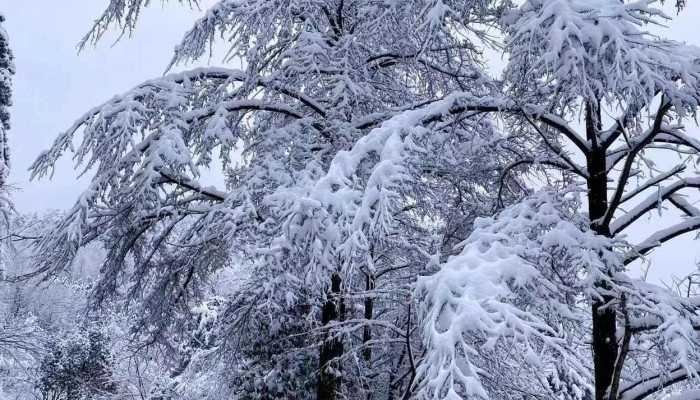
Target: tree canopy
pixel 394 221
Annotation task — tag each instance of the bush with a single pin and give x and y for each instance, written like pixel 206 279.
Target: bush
pixel 77 368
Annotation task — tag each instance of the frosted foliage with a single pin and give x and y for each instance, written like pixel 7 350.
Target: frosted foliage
pixel 341 161
pixel 520 282
pixel 377 235
pixel 502 289
pixel 601 50
pixel 300 113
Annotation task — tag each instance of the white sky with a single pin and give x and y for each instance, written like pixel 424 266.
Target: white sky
pixel 54 85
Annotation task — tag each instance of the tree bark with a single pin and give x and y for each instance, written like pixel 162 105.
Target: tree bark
pixel 369 313
pixel 332 348
pixel 605 346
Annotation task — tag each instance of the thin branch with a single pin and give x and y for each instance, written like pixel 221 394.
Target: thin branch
pixel 661 237
pixel 548 119
pixel 651 202
pixel 515 164
pixel 622 354
pixel 651 384
pixel 192 185
pixel 646 139
pixel 558 151
pixel 653 181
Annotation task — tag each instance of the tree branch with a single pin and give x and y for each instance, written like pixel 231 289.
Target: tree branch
pixel 192 185
pixel 579 170
pixel 548 119
pixel 651 384
pixel 646 138
pixel 662 236
pixel 653 181
pixel 652 201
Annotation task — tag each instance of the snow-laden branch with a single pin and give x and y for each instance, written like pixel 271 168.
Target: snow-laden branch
pixel 600 52
pixel 684 205
pixel 660 237
pixel 631 155
pixel 652 201
pixel 471 301
pixel 653 181
pixel 653 383
pixel 508 106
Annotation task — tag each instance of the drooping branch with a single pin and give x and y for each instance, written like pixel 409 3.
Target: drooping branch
pixel 242 105
pixel 510 107
pixel 579 170
pixel 531 161
pixel 190 184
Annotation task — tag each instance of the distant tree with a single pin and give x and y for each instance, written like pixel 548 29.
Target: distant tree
pixel 20 334
pixel 77 367
pixel 7 69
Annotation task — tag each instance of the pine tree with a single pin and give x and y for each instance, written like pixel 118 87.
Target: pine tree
pixel 7 69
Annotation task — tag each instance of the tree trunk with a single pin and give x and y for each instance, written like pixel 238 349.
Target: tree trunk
pixel 332 348
pixel 369 313
pixel 605 346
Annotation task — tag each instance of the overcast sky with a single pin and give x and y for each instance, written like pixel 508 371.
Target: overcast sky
pixel 54 85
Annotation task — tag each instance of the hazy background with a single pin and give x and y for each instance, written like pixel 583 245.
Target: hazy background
pixel 55 85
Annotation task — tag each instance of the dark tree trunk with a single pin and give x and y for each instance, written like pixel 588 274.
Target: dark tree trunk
pixel 369 313
pixel 605 346
pixel 332 348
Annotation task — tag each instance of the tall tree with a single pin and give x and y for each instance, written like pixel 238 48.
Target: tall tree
pixel 371 141
pixel 571 59
pixel 333 208
pixel 7 69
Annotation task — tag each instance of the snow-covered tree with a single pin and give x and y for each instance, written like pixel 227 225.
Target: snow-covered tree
pixel 587 78
pixel 334 200
pixel 77 367
pixel 7 69
pixel 360 143
pixel 20 335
